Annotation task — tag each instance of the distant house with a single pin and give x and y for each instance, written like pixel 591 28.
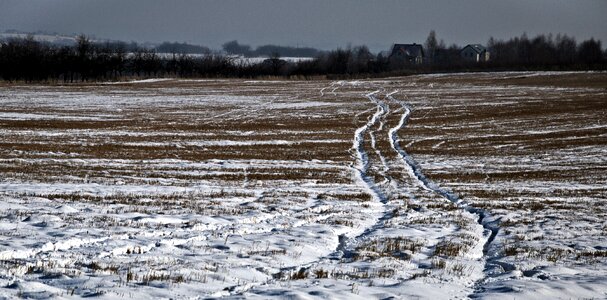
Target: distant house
pixel 410 53
pixel 475 53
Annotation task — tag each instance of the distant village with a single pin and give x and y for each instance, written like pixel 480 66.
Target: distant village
pixel 414 54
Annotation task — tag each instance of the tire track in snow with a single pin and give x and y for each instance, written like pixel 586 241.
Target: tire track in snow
pixel 411 166
pixel 385 169
pixel 362 158
pixel 56 246
pixel 490 226
pixel 361 169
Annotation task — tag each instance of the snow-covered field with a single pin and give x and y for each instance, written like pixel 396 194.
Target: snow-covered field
pixel 489 185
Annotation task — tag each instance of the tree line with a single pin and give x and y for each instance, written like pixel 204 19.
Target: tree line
pixel 546 51
pixel 29 60
pixel 542 52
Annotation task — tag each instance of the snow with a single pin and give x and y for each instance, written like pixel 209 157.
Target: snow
pixel 300 189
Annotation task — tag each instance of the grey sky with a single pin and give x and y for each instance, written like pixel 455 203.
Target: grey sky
pixel 317 23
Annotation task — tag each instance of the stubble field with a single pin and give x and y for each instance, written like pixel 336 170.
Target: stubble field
pixel 488 185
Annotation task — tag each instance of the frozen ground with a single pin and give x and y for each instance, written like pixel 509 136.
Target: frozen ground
pixel 426 187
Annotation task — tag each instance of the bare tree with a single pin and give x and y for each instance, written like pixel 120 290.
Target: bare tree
pixel 431 45
pixel 565 49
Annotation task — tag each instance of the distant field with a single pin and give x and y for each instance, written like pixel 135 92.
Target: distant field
pixel 490 185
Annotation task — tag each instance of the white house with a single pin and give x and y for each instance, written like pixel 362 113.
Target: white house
pixel 475 53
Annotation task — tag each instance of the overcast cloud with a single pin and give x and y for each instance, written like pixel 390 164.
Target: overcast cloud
pixel 317 23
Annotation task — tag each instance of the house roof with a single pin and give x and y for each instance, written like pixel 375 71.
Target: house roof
pixel 412 50
pixel 478 48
